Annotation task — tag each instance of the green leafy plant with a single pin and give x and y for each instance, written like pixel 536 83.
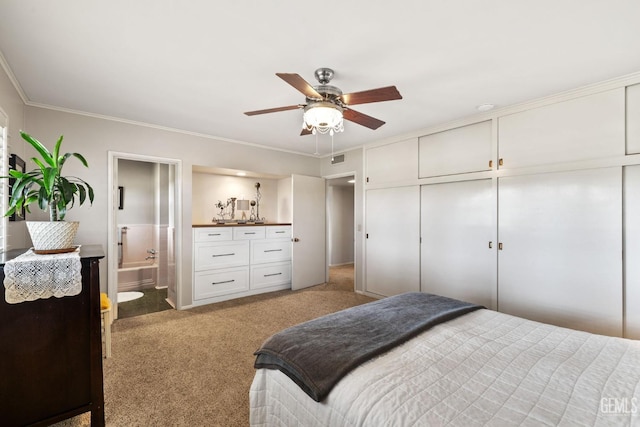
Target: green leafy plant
pixel 46 185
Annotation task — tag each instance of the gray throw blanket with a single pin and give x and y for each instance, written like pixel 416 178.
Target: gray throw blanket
pixel 318 353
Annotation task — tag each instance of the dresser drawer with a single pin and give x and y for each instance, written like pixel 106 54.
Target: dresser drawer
pixel 212 234
pixel 263 251
pixel 248 233
pixel 209 284
pixel 208 255
pixel 278 232
pixel 264 276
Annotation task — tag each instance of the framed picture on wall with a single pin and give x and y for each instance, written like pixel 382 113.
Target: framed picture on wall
pixel 17 163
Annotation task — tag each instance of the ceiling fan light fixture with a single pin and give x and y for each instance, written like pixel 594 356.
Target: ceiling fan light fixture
pixel 323 117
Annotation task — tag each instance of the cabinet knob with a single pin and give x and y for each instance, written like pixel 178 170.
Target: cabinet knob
pixel 490 245
pixel 295 239
pixel 500 162
pixel 499 246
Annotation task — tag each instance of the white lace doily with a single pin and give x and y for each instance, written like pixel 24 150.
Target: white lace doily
pixel 31 276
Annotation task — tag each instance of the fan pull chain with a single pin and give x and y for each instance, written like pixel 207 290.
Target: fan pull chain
pixel 331 147
pixel 316 153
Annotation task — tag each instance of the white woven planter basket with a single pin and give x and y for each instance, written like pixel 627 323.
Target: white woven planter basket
pixel 52 235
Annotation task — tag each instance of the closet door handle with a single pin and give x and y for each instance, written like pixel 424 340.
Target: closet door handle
pixel 217 255
pixel 490 245
pixel 490 163
pixel 500 246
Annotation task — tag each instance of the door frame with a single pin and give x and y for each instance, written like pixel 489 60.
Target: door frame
pixel 112 227
pixel 327 178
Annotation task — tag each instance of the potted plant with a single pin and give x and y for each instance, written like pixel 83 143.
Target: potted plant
pixel 46 186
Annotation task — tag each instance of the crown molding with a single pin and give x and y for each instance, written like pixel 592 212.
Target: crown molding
pixel 163 128
pixel 14 81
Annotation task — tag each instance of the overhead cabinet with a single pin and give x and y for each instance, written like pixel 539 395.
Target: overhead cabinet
pixel 585 128
pixel 395 163
pixel 633 119
pixel 460 150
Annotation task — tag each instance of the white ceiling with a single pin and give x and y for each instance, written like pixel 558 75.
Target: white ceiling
pixel 198 65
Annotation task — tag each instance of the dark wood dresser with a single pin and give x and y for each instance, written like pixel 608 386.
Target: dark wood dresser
pixel 51 352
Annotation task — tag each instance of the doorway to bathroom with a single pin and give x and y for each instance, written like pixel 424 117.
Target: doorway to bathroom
pixel 142 231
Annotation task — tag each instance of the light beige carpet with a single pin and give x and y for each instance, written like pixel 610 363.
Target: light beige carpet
pixel 195 367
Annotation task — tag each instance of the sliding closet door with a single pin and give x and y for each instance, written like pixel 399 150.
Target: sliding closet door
pixel 632 251
pixel 458 257
pixel 561 238
pixel 393 240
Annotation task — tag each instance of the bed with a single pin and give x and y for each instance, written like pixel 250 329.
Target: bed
pixel 479 367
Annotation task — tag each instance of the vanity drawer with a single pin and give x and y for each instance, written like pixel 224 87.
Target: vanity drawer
pixel 264 276
pixel 248 233
pixel 263 251
pixel 209 284
pixel 212 234
pixel 278 232
pixel 208 255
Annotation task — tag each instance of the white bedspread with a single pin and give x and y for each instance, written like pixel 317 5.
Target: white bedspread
pixel 484 368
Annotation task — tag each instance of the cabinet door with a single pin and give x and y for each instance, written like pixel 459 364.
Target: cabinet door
pixel 460 150
pixel 633 119
pixel 392 163
pixel 590 127
pixel 632 251
pixel 561 236
pixel 393 240
pixel 458 257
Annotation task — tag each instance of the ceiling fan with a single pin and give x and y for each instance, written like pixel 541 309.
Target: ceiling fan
pixel 326 106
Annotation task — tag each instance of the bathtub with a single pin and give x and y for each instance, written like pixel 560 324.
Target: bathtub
pixel 137 257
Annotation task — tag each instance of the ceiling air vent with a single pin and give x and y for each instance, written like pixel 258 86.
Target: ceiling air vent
pixel 337 159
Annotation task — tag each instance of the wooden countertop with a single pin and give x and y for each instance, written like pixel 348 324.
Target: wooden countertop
pixel 248 224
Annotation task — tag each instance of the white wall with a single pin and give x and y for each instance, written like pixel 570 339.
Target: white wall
pixel 95 137
pixel 12 105
pixel 138 180
pixel 212 188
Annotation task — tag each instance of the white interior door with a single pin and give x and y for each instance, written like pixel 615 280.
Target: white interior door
pixel 458 226
pixel 308 253
pixel 561 237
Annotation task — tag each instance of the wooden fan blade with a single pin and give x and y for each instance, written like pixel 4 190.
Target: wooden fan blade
pixel 301 84
pixel 388 93
pixel 305 131
pixel 362 119
pixel 274 110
